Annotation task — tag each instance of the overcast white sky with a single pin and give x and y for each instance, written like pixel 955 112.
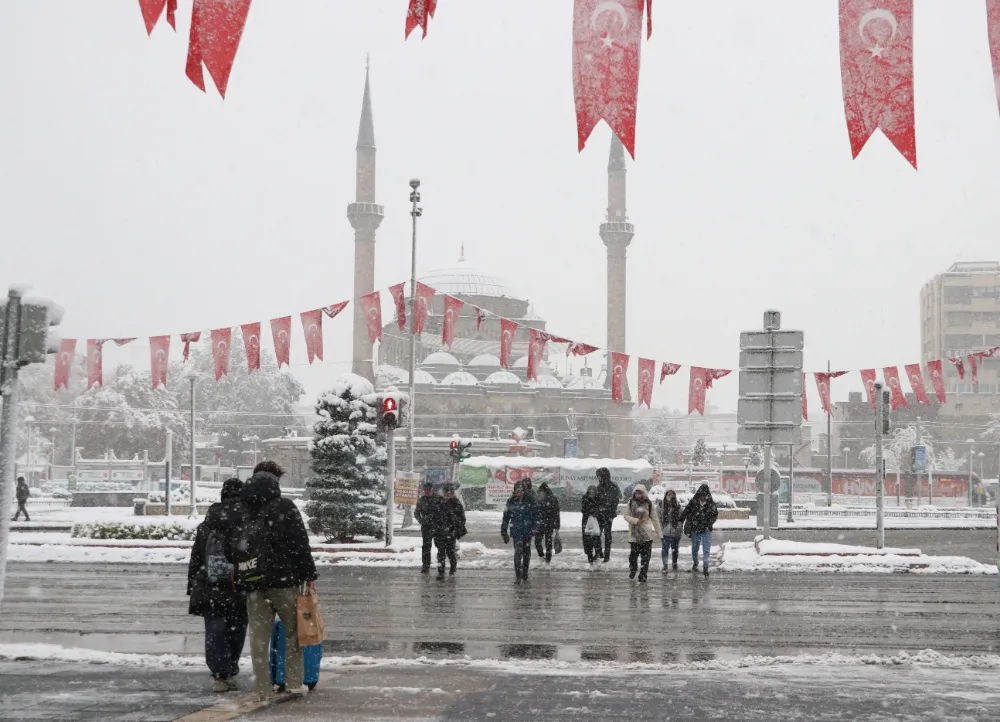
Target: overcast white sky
pixel 146 207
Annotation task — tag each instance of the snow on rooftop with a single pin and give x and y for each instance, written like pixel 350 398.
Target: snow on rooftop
pixel 440 358
pixel 485 359
pixel 459 378
pixel 502 378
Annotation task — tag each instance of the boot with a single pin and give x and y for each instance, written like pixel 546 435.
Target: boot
pixel 441 572
pixel 451 571
pixel 425 570
pixel 694 568
pixel 220 685
pixel 632 573
pixel 706 571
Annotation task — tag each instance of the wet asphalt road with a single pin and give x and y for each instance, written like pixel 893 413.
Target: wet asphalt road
pixel 558 615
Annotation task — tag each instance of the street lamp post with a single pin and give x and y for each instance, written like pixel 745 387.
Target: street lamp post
pixel 193 509
pixel 415 213
pixel 972 455
pixel 29 420
pixel 846 451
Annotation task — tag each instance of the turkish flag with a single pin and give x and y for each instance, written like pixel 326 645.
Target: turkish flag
pixel 422 307
pixel 335 309
pixel 159 354
pixel 876 69
pixel 916 376
pixel 868 378
pixel 507 330
pixel 480 317
pixel 216 29
pixel 619 367
pixel 576 348
pixel 95 362
pixel 418 14
pixel 64 362
pixel 188 339
pixel 606 43
pixel 123 341
pixel 647 371
pixel 452 307
pixel 805 402
pixel 993 30
pixel 891 376
pixel 536 349
pixel 959 366
pixel 668 370
pixel 974 368
pixel 400 301
pixel 221 338
pixel 281 333
pixel 152 9
pixel 700 382
pixel 937 379
pixel 312 326
pixel 371 307
pixel 251 344
pixel 823 386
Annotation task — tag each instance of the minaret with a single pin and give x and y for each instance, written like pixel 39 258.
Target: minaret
pixel 365 216
pixel 616 232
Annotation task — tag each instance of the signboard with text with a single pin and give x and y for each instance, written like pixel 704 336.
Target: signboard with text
pixel 407 487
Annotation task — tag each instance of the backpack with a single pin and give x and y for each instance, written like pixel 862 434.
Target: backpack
pixel 218 569
pixel 245 553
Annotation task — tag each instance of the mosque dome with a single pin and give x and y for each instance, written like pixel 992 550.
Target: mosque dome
pixel 545 381
pixel 459 378
pixel 440 358
pixel 502 378
pixel 583 383
pixel 422 377
pixel 465 280
pixel 484 360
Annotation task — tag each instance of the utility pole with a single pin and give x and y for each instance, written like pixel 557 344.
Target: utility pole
pixel 829 446
pixel 881 421
pixel 193 510
pixel 167 459
pixel 30 421
pixel 390 476
pixel 791 482
pixel 415 213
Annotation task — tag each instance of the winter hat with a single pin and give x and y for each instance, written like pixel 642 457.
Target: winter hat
pixel 427 486
pixel 230 488
pixel 640 487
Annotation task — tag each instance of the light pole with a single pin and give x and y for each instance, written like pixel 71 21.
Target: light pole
pixel 254 439
pixel 192 509
pixel 724 447
pixel 846 451
pixel 29 420
pixel 972 455
pixel 981 456
pixel 415 213
pixel 52 452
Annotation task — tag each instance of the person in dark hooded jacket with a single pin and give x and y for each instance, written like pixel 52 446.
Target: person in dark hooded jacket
pixel 610 496
pixel 700 515
pixel 212 588
pixel 273 559
pixel 22 494
pixel 547 509
pixel 430 514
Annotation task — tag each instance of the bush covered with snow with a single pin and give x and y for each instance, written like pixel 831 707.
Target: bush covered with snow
pixel 173 531
pixel 347 488
pixel 183 496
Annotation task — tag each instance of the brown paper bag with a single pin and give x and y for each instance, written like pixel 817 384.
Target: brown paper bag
pixel 311 629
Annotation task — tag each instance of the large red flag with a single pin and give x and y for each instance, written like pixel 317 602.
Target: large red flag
pixel 805 402
pixel 400 300
pixel 188 339
pixel 876 69
pixel 536 349
pixel 668 370
pixel 619 367
pixel 868 379
pixel 332 311
pixel 974 368
pixel 891 376
pixel 507 330
pixel 418 14
pixel 823 386
pixel 312 326
pixel 937 379
pixel 993 31
pixel 576 348
pixel 647 370
pixel 371 307
pixel 916 376
pixel 64 362
pixel 281 333
pixel 452 307
pixel 221 338
pixel 216 29
pixel 159 354
pixel 251 344
pixel 95 361
pixel 700 382
pixel 422 307
pixel 152 9
pixel 959 366
pixel 606 42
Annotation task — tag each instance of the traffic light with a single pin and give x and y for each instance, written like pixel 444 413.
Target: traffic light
pixel 389 412
pixel 459 451
pixel 35 340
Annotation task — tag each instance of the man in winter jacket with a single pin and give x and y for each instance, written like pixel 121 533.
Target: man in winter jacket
pixel 23 492
pixel 430 515
pixel 700 513
pixel 610 497
pixel 213 591
pixel 519 517
pixel 451 530
pixel 548 521
pixel 670 527
pixel 273 559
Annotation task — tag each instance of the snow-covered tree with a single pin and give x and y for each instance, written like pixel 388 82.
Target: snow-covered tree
pixel 699 453
pixel 657 430
pixel 897 452
pixel 348 487
pixel 756 455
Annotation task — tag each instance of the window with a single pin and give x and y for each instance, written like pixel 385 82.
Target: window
pixel 959 318
pixel 958 294
pixel 984 292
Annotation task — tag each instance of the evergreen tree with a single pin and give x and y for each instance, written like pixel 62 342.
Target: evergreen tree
pixel 756 455
pixel 699 453
pixel 348 487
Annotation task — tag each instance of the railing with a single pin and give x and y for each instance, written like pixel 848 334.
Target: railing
pixel 36 503
pixel 895 513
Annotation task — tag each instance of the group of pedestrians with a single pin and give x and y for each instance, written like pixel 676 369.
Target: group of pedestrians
pixel 442 523
pixel 250 558
pixel 531 514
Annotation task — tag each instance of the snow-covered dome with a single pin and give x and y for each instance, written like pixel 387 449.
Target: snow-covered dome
pixel 582 383
pixel 502 378
pixel 422 377
pixel 386 375
pixel 459 378
pixel 487 360
pixel 522 363
pixel 440 358
pixel 546 381
pixel 466 280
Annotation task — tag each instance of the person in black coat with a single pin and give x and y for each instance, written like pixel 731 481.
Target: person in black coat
pixel 450 531
pixel 212 588
pixel 610 497
pixel 519 519
pixel 670 528
pixel 591 508
pixel 548 521
pixel 700 515
pixel 430 515
pixel 23 492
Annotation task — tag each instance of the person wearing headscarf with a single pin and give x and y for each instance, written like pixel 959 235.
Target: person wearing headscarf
pixel 643 528
pixel 699 518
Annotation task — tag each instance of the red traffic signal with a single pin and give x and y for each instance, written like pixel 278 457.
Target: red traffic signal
pixel 389 404
pixel 389 417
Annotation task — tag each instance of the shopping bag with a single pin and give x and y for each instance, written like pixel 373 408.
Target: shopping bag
pixel 310 619
pixel 593 528
pixel 557 544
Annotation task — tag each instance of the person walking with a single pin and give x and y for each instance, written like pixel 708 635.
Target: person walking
pixel 273 558
pixel 519 518
pixel 699 518
pixel 591 509
pixel 610 497
pixel 670 528
pixel 450 531
pixel 548 521
pixel 643 529
pixel 430 515
pixel 212 588
pixel 22 494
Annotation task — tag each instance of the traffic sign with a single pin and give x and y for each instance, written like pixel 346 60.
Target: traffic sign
pixel 769 410
pixel 772 339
